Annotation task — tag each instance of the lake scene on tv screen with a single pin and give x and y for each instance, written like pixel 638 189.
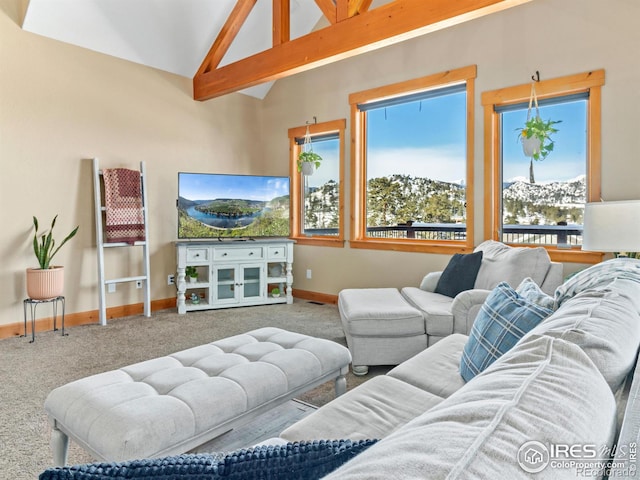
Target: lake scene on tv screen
pixel 232 206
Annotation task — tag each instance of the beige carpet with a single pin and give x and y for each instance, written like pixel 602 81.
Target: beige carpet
pixel 28 372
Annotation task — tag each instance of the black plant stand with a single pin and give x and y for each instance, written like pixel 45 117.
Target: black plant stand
pixel 33 304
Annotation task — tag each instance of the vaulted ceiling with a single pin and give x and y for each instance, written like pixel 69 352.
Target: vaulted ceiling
pixel 244 45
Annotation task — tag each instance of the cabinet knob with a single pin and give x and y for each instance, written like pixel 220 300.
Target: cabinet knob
pixel 197 255
pixel 224 254
pixel 250 253
pixel 277 252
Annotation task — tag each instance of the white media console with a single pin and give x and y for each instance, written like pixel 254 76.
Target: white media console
pixel 234 273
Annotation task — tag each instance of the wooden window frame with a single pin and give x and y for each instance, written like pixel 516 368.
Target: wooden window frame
pixel 297 234
pixel 590 82
pixel 359 238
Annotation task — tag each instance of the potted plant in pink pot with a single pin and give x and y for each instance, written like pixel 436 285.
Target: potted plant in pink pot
pixel 47 281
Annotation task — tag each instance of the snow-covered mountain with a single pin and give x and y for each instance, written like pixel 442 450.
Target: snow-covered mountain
pixel 399 198
pixel 567 194
pixel 544 203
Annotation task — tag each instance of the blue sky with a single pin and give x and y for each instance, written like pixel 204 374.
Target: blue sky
pixel 568 159
pixel 329 169
pixel 197 186
pixel 426 139
pixel 397 138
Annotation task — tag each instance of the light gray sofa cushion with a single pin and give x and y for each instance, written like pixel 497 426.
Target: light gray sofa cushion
pixel 378 312
pixel 502 263
pixel 375 409
pixel 601 275
pixel 436 369
pixel 605 325
pixel 435 307
pixel 478 431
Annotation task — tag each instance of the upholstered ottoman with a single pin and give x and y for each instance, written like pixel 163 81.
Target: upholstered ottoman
pixel 170 405
pixel 380 326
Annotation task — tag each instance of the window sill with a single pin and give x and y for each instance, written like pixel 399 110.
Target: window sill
pixel 320 241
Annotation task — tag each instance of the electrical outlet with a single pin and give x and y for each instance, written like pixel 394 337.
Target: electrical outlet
pixel 111 287
pixel 171 279
pixel 308 274
pixel 138 283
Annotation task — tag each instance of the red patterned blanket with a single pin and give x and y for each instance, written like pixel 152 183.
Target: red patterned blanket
pixel 123 202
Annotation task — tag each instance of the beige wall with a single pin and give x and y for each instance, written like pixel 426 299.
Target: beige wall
pixel 556 37
pixel 61 105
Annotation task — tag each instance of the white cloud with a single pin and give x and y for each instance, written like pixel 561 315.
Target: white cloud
pixel 551 169
pixel 447 163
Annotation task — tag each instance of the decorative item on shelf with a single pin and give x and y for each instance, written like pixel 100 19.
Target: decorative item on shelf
pixel 275 270
pixel 308 160
pixel 612 227
pixel 195 298
pixel 47 281
pixel 192 273
pixel 275 292
pixel 536 133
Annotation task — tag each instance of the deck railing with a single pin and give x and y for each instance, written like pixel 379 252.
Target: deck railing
pixel 560 235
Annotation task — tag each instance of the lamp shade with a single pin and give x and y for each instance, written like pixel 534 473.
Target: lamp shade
pixel 612 226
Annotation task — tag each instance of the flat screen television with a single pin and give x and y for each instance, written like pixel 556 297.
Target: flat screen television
pixel 232 206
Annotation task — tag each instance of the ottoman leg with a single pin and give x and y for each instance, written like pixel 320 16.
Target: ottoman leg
pixel 59 446
pixel 360 370
pixel 341 385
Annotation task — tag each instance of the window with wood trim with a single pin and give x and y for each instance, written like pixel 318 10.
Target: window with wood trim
pixel 541 203
pixel 412 164
pixel 317 199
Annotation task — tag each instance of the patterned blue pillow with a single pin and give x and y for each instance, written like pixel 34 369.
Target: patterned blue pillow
pixel 292 461
pixel 503 319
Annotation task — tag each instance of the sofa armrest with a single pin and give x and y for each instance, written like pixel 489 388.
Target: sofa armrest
pixel 465 308
pixel 430 281
pixel 553 279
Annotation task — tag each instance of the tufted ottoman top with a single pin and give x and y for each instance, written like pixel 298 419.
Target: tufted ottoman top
pixel 152 407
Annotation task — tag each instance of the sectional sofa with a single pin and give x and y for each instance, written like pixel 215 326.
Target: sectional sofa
pixel 562 402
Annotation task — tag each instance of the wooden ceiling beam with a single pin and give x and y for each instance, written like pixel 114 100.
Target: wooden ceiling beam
pixel 386 25
pixel 342 10
pixel 358 6
pixel 226 35
pixel 281 21
pixel 328 8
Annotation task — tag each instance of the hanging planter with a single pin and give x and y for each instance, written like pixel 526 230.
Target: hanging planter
pixel 531 146
pixel 535 136
pixel 308 160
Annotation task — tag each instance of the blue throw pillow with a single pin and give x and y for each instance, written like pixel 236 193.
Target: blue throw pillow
pixel 530 291
pixel 293 461
pixel 460 274
pixel 504 318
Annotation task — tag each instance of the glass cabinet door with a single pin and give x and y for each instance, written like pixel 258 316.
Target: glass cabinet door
pixel 251 281
pixel 225 283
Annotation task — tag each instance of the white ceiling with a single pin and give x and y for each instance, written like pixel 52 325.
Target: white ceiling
pixel 170 35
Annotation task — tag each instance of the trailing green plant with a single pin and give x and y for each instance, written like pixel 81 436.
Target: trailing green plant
pixel 44 246
pixel 542 130
pixel 191 271
pixel 309 156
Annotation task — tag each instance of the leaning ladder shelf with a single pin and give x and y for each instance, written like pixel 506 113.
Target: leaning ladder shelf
pixel 100 214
